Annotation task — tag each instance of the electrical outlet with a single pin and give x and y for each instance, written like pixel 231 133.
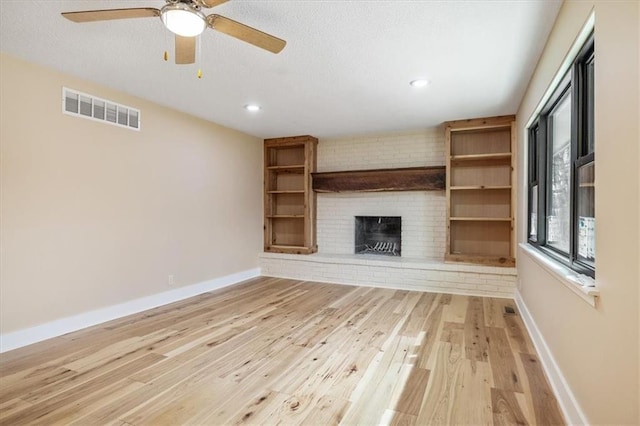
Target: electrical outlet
pixel 170 281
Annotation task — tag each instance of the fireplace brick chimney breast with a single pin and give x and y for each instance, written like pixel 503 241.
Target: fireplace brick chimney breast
pixel 423 212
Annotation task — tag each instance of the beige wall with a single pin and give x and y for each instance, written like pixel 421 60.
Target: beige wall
pixel 95 215
pixel 597 349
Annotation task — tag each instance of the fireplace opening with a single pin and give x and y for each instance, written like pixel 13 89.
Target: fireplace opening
pixel 378 235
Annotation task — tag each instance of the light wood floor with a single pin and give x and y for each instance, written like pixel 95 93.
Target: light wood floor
pixel 282 351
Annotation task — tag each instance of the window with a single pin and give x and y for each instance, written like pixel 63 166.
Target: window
pixel 561 169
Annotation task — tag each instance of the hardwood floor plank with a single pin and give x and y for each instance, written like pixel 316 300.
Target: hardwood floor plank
pixel 445 298
pixel 210 334
pixel 373 395
pixel 270 408
pixel 185 403
pixel 293 409
pixel 413 392
pixel 408 301
pixel 452 332
pixel 545 406
pixel 199 356
pixel 456 311
pixel 518 336
pixel 52 352
pixel 12 406
pixel 527 409
pixel 117 408
pixel 418 315
pixel 92 403
pixel 23 382
pixel 238 400
pixel 323 325
pixel 187 366
pixel 329 410
pixel 506 410
pixel 105 360
pixel 256 353
pixel 475 338
pixel 49 410
pixel 503 364
pixel 278 351
pixel 471 400
pixel 430 334
pixel 436 405
pixel 402 419
pixel 329 362
pixel 494 311
pixel 107 354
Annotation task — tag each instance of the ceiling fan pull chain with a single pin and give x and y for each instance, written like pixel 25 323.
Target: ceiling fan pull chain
pixel 199 55
pixel 166 44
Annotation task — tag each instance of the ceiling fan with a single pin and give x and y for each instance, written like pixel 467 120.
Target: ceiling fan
pixel 185 19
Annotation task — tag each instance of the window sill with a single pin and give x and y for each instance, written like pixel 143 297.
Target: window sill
pixel 579 284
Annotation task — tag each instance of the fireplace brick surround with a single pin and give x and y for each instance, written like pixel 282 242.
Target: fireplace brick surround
pixel 421 266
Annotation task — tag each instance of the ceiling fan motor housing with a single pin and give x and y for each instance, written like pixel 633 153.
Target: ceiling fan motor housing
pixel 194 4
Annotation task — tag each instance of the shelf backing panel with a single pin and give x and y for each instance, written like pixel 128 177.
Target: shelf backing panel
pixel 481 203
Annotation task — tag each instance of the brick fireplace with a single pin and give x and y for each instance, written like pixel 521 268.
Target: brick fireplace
pixel 423 212
pixel 423 232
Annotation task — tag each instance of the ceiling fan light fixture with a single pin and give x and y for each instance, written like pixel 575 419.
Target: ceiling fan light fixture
pixel 183 20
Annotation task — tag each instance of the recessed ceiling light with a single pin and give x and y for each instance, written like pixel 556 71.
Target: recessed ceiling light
pixel 421 82
pixel 252 107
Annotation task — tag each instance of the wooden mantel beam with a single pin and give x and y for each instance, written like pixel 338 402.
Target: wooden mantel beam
pixel 405 179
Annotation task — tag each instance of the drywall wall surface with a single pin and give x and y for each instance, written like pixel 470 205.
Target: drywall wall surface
pixel 596 349
pixel 95 215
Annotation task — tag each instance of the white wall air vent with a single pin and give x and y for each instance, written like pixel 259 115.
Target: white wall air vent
pixel 88 106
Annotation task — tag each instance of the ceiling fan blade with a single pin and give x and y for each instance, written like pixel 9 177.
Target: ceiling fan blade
pixel 210 3
pixel 246 33
pixel 110 14
pixel 185 50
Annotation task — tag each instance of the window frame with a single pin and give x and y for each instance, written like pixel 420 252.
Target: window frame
pixel 578 83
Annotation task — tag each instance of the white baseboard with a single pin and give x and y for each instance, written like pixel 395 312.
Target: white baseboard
pixel 573 414
pixel 62 326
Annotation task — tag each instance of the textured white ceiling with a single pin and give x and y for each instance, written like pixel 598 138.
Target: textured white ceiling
pixel 345 69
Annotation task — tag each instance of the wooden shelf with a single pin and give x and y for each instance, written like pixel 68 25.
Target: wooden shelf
pixel 274 248
pixel 476 157
pixel 296 167
pixel 481 219
pixel 476 188
pixel 289 202
pixel 481 259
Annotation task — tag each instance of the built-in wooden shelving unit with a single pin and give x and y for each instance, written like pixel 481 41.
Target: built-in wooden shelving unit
pixel 480 196
pixel 289 201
